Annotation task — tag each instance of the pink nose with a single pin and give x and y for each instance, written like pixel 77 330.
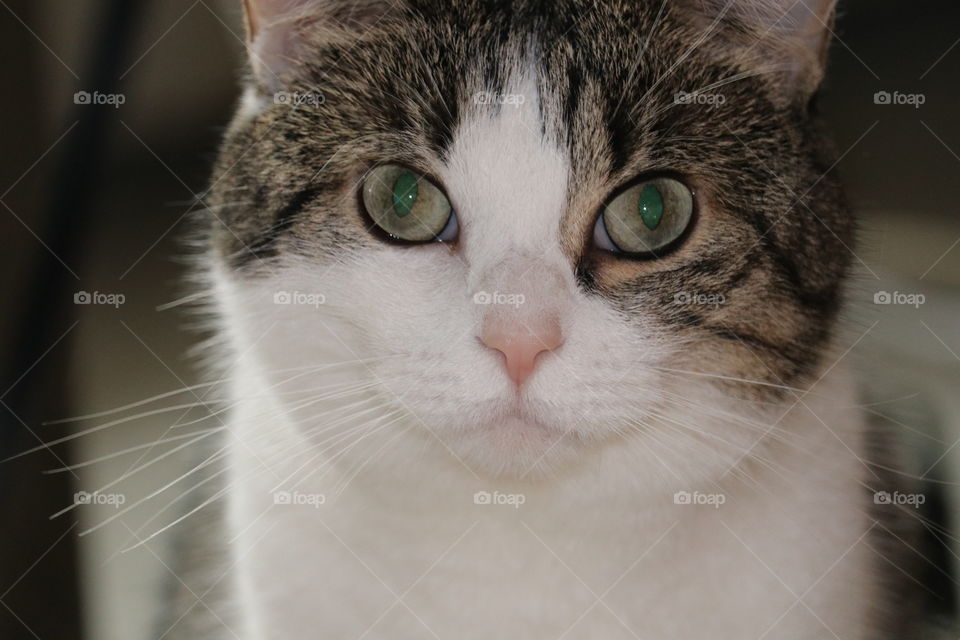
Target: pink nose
pixel 521 343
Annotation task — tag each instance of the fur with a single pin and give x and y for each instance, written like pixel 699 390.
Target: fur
pixel 379 401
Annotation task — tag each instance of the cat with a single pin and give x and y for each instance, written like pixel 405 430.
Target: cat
pixel 529 312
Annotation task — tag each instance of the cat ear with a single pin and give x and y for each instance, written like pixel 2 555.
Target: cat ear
pixel 803 29
pixel 275 29
pixel 794 35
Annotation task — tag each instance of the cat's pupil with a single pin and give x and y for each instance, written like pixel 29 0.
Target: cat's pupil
pixel 405 191
pixel 650 203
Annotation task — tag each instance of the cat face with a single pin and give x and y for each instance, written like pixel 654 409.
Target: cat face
pixel 533 231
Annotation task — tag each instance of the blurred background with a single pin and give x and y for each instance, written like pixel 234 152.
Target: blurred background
pixel 113 113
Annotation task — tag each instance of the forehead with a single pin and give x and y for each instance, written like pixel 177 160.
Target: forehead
pixel 531 102
pixel 603 70
pixel 607 75
pixel 506 174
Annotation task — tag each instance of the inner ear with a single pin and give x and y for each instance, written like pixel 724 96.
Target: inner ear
pixel 274 31
pixel 277 30
pixel 792 36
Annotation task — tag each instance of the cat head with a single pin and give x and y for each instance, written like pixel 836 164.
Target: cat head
pixel 531 231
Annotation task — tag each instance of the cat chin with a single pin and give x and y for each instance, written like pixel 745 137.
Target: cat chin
pixel 517 446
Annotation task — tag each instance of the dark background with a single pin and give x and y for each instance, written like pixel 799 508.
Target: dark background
pixel 96 198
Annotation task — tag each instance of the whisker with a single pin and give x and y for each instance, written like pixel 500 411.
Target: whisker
pixel 96 429
pixel 138 447
pixel 335 439
pixel 719 376
pixel 209 460
pixel 302 369
pixel 370 430
pixel 350 475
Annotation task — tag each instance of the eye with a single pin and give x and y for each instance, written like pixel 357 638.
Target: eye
pixel 645 218
pixel 407 205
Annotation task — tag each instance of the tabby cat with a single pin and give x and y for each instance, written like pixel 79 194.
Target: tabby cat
pixel 530 315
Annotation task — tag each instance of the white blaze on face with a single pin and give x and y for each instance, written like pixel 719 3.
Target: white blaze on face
pixel 507 179
pixel 509 185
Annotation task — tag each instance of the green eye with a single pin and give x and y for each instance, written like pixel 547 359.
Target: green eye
pixel 407 206
pixel 646 217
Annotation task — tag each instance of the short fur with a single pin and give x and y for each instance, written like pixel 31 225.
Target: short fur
pixel 381 400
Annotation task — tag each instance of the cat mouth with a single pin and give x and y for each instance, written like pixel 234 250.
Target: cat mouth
pixel 521 419
pixel 516 419
pixel 516 439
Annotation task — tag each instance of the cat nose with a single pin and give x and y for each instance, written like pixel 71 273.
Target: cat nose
pixel 521 343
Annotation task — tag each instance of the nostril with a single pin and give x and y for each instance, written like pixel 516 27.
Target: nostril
pixel 551 337
pixel 521 344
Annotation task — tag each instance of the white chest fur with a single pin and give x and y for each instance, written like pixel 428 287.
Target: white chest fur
pixel 409 550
